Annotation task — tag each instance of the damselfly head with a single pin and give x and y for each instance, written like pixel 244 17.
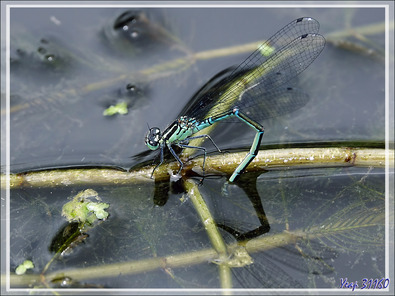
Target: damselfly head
pixel 152 138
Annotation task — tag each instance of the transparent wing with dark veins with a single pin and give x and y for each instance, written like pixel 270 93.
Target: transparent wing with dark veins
pixel 275 103
pixel 282 57
pixel 274 74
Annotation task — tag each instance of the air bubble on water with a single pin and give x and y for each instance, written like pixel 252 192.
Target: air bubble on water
pixel 50 57
pixel 130 87
pixel 134 34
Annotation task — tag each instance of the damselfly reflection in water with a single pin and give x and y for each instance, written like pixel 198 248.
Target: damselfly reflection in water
pixel 254 91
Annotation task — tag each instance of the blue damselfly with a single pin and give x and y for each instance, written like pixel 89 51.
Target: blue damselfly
pixel 252 92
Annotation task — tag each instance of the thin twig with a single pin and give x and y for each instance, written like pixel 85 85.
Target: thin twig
pixel 223 164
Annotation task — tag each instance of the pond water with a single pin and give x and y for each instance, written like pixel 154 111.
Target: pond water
pixel 69 64
pixel 339 214
pixel 57 105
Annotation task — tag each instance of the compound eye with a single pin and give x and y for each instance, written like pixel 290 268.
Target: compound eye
pixel 152 139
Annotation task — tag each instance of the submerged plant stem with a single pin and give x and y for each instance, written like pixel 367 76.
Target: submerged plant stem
pixel 370 29
pixel 150 264
pixel 179 64
pixel 212 231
